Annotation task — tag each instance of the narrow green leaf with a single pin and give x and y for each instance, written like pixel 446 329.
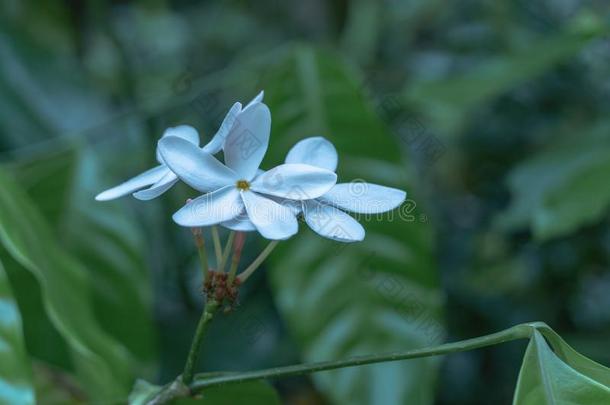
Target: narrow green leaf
pixel 15 369
pixel 547 379
pixel 103 365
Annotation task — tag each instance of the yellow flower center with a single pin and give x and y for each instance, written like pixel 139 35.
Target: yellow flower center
pixel 243 185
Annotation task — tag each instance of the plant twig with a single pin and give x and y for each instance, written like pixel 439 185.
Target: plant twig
pixel 516 332
pixel 217 244
pixel 193 357
pixel 240 240
pixel 203 257
pixel 243 276
pixel 225 254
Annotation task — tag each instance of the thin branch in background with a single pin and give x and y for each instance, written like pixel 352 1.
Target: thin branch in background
pixel 203 256
pixel 217 245
pixel 227 251
pixel 258 261
pixel 240 239
pixel 521 331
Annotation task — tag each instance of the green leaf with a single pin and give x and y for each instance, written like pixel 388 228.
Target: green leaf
pixel 105 236
pixel 15 369
pixel 103 365
pixel 576 360
pixel 545 378
pixel 551 191
pixel 375 296
pixel 571 205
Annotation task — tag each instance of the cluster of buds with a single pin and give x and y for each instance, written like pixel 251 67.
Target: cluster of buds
pixel 222 289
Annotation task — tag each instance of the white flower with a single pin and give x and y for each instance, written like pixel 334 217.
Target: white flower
pixel 160 178
pixel 323 214
pixel 237 186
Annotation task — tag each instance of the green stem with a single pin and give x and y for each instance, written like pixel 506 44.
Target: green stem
pixel 225 254
pixel 514 333
pixel 217 245
pixel 240 240
pixel 193 357
pixel 203 256
pixel 243 276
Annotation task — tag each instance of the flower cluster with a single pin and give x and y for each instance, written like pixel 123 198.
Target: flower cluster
pixel 238 195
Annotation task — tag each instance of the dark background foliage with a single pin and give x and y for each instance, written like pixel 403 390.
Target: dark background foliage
pixel 493 115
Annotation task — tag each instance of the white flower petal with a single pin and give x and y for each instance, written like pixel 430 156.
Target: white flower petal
pixel 218 140
pixel 140 181
pixel 315 151
pixel 240 223
pixel 364 198
pixel 210 209
pixel 164 184
pixel 195 167
pixel 185 132
pixel 272 220
pixel 295 181
pixel 293 205
pixel 257 99
pixel 248 140
pixel 331 222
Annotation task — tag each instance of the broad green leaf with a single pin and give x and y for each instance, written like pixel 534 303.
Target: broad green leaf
pixel 103 365
pixel 449 102
pixel 15 369
pixel 551 192
pixel 113 248
pixel 375 296
pixel 576 360
pixel 42 339
pixel 547 379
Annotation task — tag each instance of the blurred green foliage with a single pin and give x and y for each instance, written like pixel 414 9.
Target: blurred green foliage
pixel 493 115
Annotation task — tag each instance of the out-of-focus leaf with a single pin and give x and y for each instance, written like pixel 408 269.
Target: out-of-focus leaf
pixel 448 102
pixel 545 378
pixel 15 369
pixel 362 28
pixel 378 295
pixel 552 191
pixel 113 248
pixel 583 199
pixel 37 99
pixel 103 365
